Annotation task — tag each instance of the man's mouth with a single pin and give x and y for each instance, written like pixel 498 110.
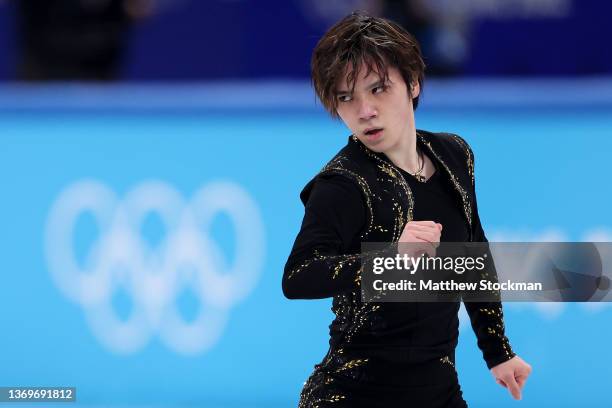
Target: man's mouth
pixel 373 133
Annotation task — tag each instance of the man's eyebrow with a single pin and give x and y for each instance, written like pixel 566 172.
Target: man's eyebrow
pixel 342 92
pixel 376 84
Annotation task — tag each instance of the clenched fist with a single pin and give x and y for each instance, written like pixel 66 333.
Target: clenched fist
pixel 423 236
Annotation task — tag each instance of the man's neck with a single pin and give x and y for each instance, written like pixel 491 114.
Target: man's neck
pixel 404 153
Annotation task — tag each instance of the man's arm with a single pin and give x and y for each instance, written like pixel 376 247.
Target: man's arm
pixel 319 265
pixel 487 319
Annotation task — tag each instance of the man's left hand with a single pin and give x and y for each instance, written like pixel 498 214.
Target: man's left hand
pixel 512 374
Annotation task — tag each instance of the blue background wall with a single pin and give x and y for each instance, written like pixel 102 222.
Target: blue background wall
pixel 190 39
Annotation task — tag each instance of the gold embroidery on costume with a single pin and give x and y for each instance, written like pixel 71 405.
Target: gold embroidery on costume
pixel 498 314
pixel 336 166
pixel 352 364
pixel 467 206
pixel 314 382
pixel 400 219
pixel 469 154
pixel 338 262
pixel 446 360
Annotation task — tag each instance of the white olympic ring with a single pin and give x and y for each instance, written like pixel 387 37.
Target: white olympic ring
pixel 155 277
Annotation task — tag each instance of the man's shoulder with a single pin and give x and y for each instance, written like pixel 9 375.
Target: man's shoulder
pixel 351 159
pixel 349 166
pixel 451 142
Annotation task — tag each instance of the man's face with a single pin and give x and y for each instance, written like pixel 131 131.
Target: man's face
pixel 379 113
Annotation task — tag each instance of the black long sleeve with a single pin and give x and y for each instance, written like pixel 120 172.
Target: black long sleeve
pixel 487 318
pixel 325 257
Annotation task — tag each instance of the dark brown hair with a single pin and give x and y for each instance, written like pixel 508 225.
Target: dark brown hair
pixel 360 38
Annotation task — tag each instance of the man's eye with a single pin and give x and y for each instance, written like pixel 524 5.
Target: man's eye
pixel 344 98
pixel 379 89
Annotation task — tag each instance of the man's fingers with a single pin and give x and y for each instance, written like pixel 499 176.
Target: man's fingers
pixel 521 379
pixel 426 236
pixel 433 241
pixel 424 247
pixel 513 387
pixel 424 227
pixel 416 248
pixel 422 222
pixel 522 374
pixel 512 375
pixel 425 223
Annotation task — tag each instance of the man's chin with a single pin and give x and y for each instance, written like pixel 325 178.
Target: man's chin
pixel 377 146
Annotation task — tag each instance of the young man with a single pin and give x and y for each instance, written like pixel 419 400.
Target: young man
pixel 390 183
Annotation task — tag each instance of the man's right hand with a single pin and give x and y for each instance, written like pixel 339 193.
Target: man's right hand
pixel 423 236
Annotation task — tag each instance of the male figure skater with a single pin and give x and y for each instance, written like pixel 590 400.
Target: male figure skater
pixel 390 183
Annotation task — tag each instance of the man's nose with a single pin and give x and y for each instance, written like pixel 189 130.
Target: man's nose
pixel 367 110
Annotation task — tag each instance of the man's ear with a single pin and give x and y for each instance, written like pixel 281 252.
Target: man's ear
pixel 415 89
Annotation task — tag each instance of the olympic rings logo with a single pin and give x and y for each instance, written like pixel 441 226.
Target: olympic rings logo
pixel 155 277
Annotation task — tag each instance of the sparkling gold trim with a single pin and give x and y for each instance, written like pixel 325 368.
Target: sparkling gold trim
pixel 447 360
pixel 468 153
pixel 467 205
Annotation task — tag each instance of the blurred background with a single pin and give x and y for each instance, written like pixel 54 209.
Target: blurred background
pixel 151 157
